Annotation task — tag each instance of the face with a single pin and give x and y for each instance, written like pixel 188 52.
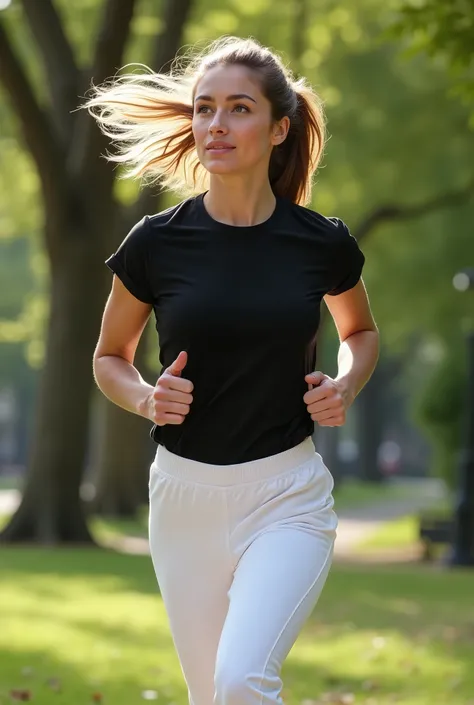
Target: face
pixel 232 122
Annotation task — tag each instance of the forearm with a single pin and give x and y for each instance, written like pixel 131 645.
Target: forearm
pixel 121 382
pixel 357 359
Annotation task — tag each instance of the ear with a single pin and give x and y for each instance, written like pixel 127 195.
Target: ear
pixel 280 130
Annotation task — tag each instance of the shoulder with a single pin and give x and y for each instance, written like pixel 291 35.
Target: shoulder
pixel 328 228
pixel 184 213
pixel 150 228
pixel 334 244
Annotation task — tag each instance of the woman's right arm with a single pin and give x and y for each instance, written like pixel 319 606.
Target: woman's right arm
pixel 123 323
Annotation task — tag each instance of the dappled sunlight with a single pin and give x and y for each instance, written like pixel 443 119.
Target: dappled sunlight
pixel 376 634
pixel 93 628
pixel 401 606
pixel 83 623
pixel 385 656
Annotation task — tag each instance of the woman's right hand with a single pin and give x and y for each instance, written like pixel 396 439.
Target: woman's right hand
pixel 171 398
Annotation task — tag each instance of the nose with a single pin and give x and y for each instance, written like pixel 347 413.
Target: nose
pixel 217 125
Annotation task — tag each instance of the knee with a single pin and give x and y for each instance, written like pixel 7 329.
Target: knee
pixel 233 686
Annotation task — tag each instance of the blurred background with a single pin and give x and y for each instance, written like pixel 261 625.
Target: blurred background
pixel 79 603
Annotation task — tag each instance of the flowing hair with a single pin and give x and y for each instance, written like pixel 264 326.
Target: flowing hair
pixel 148 116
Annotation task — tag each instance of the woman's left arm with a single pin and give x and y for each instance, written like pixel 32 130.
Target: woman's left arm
pixel 358 353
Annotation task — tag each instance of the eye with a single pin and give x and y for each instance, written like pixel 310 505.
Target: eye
pixel 241 108
pixel 202 109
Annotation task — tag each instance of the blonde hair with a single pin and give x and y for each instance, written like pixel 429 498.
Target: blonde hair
pixel 148 117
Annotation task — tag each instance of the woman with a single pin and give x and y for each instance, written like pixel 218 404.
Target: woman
pixel 241 524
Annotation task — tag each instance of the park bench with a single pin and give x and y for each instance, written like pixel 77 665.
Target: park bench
pixel 434 531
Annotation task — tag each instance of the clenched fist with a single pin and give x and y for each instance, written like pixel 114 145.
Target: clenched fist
pixel 170 400
pixel 326 400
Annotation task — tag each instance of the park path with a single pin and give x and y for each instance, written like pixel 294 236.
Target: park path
pixel 355 524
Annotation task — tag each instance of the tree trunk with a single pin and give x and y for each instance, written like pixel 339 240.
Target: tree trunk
pixel 51 511
pixel 124 453
pixel 123 456
pixel 125 449
pixel 80 211
pixel 326 440
pixel 370 424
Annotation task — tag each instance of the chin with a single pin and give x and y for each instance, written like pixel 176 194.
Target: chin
pixel 218 169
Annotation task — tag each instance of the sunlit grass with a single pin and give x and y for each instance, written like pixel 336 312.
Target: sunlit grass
pixel 352 492
pixel 398 533
pixel 95 621
pixel 104 529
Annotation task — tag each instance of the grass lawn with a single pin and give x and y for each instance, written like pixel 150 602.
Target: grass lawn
pixel 401 533
pixel 75 623
pixel 398 533
pixel 352 493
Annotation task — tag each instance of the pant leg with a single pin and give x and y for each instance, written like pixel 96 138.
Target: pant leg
pixel 189 550
pixel 277 583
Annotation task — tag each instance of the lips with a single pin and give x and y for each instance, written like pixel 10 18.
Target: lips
pixel 217 146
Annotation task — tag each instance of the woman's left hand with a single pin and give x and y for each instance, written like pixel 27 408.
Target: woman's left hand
pixel 327 399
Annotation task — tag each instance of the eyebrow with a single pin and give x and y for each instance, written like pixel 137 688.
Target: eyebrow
pixel 236 96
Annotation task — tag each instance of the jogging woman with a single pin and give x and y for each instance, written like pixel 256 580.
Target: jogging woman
pixel 241 524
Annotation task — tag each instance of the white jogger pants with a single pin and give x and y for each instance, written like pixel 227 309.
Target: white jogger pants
pixel 241 554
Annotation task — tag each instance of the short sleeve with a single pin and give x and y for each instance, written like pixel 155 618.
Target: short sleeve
pixel 130 261
pixel 347 261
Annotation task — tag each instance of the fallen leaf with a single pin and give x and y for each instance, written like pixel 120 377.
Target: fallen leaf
pixel 54 684
pixel 451 634
pixel 347 698
pixel 20 694
pixel 370 685
pixel 455 683
pixel 338 698
pixel 379 642
pixel 149 695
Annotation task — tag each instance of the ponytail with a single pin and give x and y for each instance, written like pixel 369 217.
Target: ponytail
pixel 295 160
pixel 148 118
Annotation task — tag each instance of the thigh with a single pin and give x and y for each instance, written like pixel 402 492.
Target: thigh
pixel 188 544
pixel 197 613
pixel 276 586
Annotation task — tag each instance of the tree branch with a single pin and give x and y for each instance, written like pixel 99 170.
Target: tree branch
pixel 175 16
pixel 394 212
pixel 61 69
pixel 35 124
pixel 90 143
pixel 112 38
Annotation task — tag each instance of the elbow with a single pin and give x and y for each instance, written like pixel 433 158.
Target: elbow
pixel 97 367
pixel 100 364
pixel 370 331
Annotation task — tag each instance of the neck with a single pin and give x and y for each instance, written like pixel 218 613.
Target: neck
pixel 238 202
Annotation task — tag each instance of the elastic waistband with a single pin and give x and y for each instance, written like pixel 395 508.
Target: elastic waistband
pixel 225 475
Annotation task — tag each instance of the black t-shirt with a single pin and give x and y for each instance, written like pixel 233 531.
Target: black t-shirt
pixel 244 302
